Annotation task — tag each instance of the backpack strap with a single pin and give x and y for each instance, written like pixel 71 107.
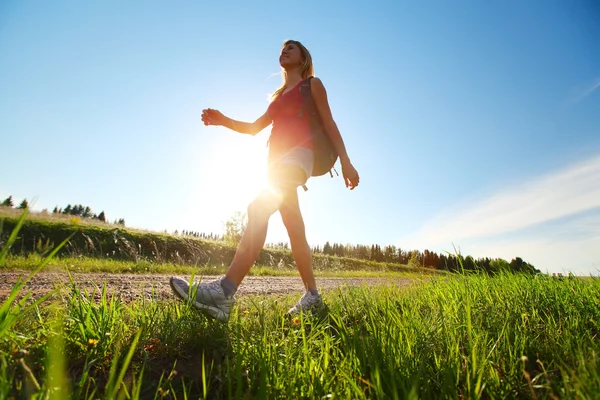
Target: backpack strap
pixel 305 87
pixel 308 104
pixel 307 107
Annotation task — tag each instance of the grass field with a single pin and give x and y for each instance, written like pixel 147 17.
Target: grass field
pixel 460 337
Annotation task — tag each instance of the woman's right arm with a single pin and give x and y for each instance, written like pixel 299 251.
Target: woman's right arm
pixel 215 117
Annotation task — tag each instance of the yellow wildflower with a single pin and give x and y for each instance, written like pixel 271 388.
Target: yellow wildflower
pixel 92 342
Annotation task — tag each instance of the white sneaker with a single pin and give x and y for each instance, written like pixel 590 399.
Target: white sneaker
pixel 207 297
pixel 308 302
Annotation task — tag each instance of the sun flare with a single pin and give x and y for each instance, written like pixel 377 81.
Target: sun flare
pixel 236 173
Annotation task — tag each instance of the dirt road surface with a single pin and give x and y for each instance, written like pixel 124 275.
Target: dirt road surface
pixel 136 286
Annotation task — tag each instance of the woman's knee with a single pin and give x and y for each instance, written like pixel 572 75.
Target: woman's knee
pixel 262 207
pixel 255 211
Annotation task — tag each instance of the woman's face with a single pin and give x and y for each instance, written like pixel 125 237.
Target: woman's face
pixel 291 56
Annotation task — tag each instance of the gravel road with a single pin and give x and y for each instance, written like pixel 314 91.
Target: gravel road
pixel 136 286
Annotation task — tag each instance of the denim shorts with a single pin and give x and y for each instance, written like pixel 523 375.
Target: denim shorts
pixel 300 157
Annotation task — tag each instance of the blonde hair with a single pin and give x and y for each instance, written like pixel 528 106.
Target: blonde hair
pixel 306 69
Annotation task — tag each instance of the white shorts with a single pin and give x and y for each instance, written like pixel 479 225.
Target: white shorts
pixel 300 157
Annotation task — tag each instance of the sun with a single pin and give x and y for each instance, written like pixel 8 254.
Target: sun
pixel 237 171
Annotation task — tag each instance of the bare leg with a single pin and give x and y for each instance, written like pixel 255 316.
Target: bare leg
pixel 292 219
pixel 253 240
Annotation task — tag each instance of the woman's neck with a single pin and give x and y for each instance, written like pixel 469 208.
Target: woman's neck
pixel 292 78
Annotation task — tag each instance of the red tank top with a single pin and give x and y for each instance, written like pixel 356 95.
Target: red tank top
pixel 289 129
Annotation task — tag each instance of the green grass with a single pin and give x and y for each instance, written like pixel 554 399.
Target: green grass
pixel 104 265
pixel 459 337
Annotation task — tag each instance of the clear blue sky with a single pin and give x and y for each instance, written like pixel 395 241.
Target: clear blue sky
pixel 473 123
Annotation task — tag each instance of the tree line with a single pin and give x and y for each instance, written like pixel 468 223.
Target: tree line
pixel 199 235
pixel 427 259
pixel 77 210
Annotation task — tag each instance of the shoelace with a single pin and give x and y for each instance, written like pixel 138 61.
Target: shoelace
pixel 209 285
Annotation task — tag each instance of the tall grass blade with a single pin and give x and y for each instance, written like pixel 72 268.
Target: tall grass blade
pixel 13 236
pixel 114 386
pixel 56 364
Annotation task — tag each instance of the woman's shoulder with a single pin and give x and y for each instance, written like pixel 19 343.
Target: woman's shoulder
pixel 316 84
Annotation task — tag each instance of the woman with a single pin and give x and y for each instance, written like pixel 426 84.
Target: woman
pixel 290 165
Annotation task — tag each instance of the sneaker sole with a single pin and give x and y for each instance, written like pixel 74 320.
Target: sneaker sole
pixel 207 310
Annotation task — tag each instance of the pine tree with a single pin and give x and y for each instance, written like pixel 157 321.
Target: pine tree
pixel 102 217
pixel 24 204
pixel 8 202
pixel 87 212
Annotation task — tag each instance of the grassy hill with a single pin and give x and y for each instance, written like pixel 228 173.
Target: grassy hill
pixel 41 232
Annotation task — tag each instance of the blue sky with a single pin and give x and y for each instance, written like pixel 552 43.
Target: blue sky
pixel 471 123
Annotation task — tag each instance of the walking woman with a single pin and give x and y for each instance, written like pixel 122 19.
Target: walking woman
pixel 290 164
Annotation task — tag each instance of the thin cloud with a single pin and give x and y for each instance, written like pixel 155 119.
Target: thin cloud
pixel 567 192
pixel 580 93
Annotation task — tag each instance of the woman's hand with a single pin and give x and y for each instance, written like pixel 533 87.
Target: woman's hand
pixel 213 117
pixel 350 174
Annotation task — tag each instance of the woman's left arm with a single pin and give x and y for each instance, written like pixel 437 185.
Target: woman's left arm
pixel 319 95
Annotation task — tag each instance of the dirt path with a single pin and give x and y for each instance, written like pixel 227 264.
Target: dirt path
pixel 131 286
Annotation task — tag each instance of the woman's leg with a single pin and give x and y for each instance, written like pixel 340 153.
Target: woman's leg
pixel 294 224
pixel 292 219
pixel 253 240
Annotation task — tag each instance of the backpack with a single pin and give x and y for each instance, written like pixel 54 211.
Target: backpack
pixel 324 152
